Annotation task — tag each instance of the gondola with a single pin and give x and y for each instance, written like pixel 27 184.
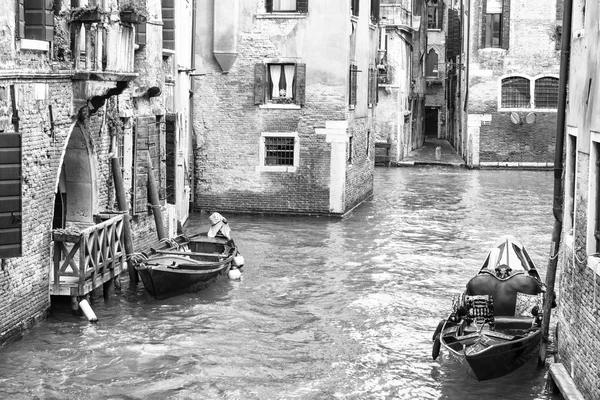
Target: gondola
pixel 186 264
pixel 495 325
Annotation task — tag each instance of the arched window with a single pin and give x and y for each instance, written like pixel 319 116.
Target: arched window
pixel 546 92
pixel 431 64
pixel 516 92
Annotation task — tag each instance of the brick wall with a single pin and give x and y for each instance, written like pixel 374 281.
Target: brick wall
pixel 228 125
pixel 531 52
pixel 579 299
pixel 24 281
pixel 502 141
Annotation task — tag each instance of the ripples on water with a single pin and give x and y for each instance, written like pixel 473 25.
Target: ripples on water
pixel 326 309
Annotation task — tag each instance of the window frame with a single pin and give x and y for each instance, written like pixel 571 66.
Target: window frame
pixel 593 212
pixel 439 22
pixel 28 43
pixel 504 24
pixel 301 8
pixel 570 179
pixel 262 84
pixel 436 70
pixel 532 82
pixel 262 152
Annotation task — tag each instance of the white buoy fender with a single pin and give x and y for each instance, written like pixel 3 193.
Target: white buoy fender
pixel 234 273
pixel 87 311
pixel 238 260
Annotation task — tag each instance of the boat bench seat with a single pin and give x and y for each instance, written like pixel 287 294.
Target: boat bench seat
pixel 514 322
pixel 503 291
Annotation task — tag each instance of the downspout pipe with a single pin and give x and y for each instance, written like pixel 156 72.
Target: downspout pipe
pixel 557 206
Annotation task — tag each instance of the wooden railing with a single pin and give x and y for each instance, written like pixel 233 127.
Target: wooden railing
pixel 103 47
pixel 84 261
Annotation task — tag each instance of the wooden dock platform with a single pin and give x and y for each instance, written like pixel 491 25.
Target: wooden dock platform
pixel 87 260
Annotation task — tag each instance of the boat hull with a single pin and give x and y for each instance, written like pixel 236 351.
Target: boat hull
pixel 501 360
pixel 486 357
pixel 170 275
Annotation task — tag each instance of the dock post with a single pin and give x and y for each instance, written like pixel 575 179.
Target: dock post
pixel 123 207
pixel 155 201
pixel 108 289
pixel 75 305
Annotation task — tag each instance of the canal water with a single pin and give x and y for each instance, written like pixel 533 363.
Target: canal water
pixel 326 308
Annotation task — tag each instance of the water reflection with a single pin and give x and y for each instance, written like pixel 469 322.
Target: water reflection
pixel 326 309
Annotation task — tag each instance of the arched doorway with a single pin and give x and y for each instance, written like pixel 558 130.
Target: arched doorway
pixel 76 194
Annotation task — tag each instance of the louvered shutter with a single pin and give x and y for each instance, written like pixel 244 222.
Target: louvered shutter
pixel 10 195
pixel 353 84
pixel 302 6
pixel 39 19
pixel 168 17
pixel 140 34
pixel 171 156
pixel 375 10
pixel 269 6
pixel 21 19
pixel 505 24
pixel 483 24
pixel 300 84
pixel 140 173
pixel 259 83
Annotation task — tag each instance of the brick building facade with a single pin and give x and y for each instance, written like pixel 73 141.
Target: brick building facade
pixel 279 127
pixel 578 335
pixel 512 70
pixel 62 121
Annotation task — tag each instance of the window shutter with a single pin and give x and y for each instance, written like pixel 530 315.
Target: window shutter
pixel 259 83
pixel 505 24
pixel 10 195
pixel 21 19
pixel 375 11
pixel 171 128
pixel 269 5
pixel 483 24
pixel 168 30
pixel 302 6
pixel 140 175
pixel 300 84
pixel 353 84
pixel 39 19
pixel 140 34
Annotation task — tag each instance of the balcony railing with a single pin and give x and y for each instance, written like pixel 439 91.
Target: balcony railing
pixel 398 14
pixel 85 260
pixel 102 50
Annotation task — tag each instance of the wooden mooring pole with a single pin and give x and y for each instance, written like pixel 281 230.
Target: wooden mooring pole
pixel 123 207
pixel 155 201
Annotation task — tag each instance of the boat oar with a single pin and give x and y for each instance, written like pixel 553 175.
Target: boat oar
pixel 437 344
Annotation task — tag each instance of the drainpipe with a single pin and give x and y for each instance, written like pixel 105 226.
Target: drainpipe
pixel 557 206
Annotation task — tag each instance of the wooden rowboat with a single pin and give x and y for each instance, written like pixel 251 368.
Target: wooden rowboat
pixel 495 325
pixel 185 264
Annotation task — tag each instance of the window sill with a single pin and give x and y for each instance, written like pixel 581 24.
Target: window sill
pixel 283 15
pixel 528 110
pixel 275 106
pixel 372 26
pixel 434 29
pixel 37 45
pixel 275 168
pixel 354 18
pixel 493 49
